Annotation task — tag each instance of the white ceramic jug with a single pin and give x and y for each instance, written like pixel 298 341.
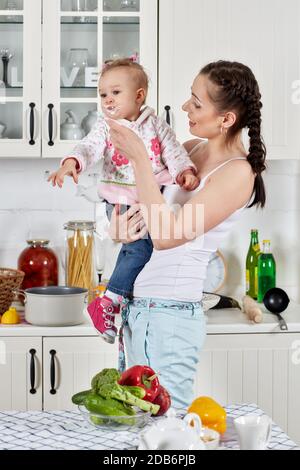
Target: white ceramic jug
pixel 174 434
pixel 70 129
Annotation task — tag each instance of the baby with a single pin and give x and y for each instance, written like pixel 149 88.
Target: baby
pixel 123 88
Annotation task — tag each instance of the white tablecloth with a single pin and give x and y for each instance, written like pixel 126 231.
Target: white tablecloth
pixel 66 430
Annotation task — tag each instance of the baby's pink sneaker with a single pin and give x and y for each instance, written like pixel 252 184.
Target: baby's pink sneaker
pixel 102 312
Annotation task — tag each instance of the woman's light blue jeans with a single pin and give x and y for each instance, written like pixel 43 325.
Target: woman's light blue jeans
pixel 167 336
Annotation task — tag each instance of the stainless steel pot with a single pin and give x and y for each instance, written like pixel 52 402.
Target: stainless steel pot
pixel 54 305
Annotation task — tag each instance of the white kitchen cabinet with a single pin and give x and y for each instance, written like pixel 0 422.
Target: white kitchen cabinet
pixel 69 365
pixel 110 29
pixel 20 79
pixel 255 368
pixel 263 35
pixel 69 42
pixel 43 373
pixel 21 373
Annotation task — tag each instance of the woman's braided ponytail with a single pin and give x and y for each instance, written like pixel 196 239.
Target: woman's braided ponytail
pixel 236 89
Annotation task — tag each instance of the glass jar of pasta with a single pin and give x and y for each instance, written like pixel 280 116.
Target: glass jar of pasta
pixel 80 262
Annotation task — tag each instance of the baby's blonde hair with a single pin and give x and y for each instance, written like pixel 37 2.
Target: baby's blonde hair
pixel 137 71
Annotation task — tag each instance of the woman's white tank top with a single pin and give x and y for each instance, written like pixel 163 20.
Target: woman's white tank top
pixel 179 273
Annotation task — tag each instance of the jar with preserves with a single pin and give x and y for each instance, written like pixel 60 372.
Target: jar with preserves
pixel 39 263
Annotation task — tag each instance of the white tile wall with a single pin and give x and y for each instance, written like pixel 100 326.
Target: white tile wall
pixel 279 222
pixel 30 207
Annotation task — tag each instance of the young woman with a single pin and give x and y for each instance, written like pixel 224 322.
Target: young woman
pixel 164 325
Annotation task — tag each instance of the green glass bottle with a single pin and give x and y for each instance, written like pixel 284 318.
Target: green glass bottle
pixel 251 265
pixel 266 271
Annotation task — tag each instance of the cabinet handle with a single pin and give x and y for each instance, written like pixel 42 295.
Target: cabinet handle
pixel 168 116
pixel 32 371
pixel 52 372
pixel 31 124
pixel 50 125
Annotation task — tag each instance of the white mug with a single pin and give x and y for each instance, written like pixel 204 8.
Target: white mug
pixel 254 432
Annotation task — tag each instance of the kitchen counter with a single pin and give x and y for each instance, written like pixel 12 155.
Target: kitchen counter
pixel 222 321
pixel 66 430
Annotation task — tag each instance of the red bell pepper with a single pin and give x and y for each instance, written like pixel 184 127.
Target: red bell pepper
pixel 142 376
pixel 163 399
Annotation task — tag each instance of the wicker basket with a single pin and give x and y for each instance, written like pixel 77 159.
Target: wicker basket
pixel 10 279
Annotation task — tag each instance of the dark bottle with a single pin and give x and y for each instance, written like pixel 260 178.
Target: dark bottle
pixel 39 264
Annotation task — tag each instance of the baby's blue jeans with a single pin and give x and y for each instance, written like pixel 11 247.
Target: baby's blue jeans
pixel 130 262
pixel 167 336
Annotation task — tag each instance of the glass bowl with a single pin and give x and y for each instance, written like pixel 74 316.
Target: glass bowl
pixel 116 423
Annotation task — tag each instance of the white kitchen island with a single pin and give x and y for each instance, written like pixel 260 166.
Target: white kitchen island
pixel 41 368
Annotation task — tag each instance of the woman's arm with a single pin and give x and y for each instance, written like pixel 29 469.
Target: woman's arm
pixel 226 191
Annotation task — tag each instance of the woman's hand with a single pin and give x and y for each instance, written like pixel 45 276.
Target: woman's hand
pixel 126 142
pixel 128 227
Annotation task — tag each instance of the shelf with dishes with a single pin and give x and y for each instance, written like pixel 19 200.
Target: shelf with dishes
pixel 107 5
pixel 92 21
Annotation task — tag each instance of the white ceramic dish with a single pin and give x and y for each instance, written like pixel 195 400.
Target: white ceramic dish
pixel 210 438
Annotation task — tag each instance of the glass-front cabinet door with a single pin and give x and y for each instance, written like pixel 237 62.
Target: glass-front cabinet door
pixel 78 37
pixel 20 78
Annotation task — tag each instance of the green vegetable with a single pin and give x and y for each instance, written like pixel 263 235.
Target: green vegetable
pixel 138 392
pixel 107 406
pixel 105 376
pixel 96 420
pixel 117 392
pixel 78 398
pixel 105 383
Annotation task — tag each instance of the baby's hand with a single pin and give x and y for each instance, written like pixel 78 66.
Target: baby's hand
pixel 188 180
pixel 68 169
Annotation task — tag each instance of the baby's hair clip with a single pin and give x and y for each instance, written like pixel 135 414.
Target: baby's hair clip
pixel 134 57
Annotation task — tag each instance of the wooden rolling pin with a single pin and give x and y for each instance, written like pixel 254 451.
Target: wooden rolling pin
pixel 251 309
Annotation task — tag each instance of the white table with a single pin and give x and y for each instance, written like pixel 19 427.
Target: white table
pixel 66 430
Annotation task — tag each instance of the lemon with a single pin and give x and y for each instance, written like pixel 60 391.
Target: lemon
pixel 10 317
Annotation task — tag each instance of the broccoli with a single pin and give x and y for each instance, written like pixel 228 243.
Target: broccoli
pixel 105 376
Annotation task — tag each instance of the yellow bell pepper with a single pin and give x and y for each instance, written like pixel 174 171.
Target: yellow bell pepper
pixel 212 415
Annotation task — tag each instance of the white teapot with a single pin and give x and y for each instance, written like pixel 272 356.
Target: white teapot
pixel 173 434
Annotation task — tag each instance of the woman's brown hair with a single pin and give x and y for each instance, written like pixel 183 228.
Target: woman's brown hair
pixel 236 89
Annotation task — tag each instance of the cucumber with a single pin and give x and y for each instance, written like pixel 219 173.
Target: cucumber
pixel 108 407
pixel 79 398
